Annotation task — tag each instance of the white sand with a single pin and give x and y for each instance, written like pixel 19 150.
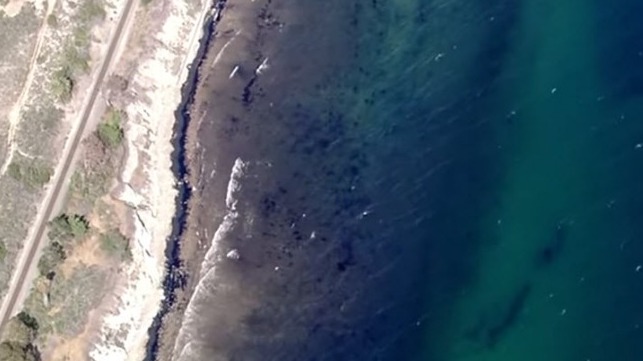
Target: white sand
pixel 149 129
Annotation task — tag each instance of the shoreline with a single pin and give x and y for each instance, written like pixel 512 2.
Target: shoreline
pixel 175 277
pixel 199 241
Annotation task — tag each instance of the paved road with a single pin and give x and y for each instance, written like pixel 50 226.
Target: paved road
pixel 20 280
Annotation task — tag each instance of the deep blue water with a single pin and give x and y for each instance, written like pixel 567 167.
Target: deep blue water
pixel 423 180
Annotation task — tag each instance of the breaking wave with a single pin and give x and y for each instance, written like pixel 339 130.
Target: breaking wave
pixel 187 345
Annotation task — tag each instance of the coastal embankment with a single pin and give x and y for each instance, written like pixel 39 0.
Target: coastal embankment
pixel 155 66
pixel 177 261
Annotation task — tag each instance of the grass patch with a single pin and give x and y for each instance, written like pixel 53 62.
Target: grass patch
pixel 34 174
pixel 92 181
pixel 75 56
pixel 42 118
pixel 116 245
pixel 110 131
pixel 17 210
pixel 39 125
pixel 14 30
pixel 76 296
pixel 81 37
pixel 76 59
pixel 61 304
pixel 91 11
pixel 3 251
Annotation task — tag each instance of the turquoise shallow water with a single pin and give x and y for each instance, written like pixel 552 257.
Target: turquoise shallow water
pixel 434 180
pixel 556 274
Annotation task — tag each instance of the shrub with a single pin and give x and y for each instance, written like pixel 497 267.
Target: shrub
pixel 52 21
pixel 90 183
pixel 62 229
pixel 91 10
pixel 62 84
pixel 76 60
pixel 81 39
pixel 17 339
pixel 110 131
pixel 21 329
pixel 116 245
pixel 66 227
pixel 15 351
pixel 28 320
pixel 34 174
pixel 53 255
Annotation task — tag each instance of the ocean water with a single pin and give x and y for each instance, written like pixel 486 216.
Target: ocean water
pixel 422 180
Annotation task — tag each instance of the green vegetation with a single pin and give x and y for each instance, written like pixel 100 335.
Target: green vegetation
pixel 62 84
pixel 75 56
pixel 16 213
pixel 52 21
pixel 17 339
pixel 3 251
pixel 116 245
pixel 29 321
pixel 90 183
pixel 90 11
pixel 14 31
pixel 93 178
pixel 81 39
pixel 52 256
pixel 39 126
pixel 14 351
pixel 110 131
pixel 62 230
pixel 21 329
pixel 70 298
pixel 34 174
pixel 77 61
pixel 68 227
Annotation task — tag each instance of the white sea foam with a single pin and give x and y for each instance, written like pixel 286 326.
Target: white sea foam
pixel 187 344
pixel 234 185
pixel 211 257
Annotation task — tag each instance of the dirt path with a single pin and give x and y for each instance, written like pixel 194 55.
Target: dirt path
pixel 25 269
pixel 14 114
